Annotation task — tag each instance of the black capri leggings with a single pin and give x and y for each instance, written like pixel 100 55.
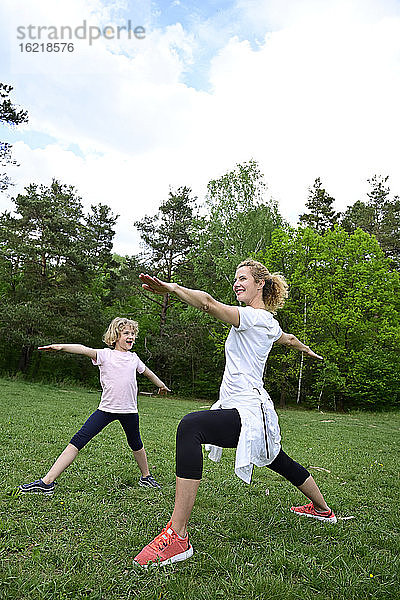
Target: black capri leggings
pixel 100 419
pixel 221 428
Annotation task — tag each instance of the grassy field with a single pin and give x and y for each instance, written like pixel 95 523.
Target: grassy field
pixel 79 544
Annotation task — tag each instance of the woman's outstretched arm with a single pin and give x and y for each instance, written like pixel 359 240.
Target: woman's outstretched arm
pixel 287 339
pixel 197 298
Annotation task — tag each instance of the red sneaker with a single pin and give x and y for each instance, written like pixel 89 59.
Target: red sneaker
pixel 308 510
pixel 165 549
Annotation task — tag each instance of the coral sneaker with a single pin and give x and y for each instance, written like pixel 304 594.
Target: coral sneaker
pixel 165 549
pixel 308 510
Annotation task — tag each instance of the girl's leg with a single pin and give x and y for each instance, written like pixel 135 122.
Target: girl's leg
pixel 130 424
pixel 219 427
pixel 300 477
pixel 95 423
pixel 63 461
pixel 141 459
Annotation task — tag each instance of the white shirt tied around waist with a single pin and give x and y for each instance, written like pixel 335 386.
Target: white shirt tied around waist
pixel 259 439
pixel 247 348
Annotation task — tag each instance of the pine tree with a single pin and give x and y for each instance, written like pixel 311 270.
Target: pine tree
pixel 378 216
pixel 9 115
pixel 167 239
pixel 321 216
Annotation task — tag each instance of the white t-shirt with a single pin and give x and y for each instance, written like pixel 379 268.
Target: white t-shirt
pixel 246 350
pixel 118 380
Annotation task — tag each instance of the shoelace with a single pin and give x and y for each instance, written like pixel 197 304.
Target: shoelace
pixel 163 539
pixel 311 508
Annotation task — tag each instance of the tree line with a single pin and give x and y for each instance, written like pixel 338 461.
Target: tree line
pixel 61 282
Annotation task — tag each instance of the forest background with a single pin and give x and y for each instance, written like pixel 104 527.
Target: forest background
pixel 61 282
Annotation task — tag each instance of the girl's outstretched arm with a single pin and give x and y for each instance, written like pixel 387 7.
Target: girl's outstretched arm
pixel 156 380
pixel 196 298
pixel 71 348
pixel 287 339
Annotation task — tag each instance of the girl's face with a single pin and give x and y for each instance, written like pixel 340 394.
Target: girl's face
pixel 246 288
pixel 126 340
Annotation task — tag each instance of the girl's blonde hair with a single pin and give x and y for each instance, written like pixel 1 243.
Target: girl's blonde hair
pixel 275 290
pixel 115 328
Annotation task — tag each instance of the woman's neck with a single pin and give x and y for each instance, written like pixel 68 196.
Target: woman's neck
pixel 257 303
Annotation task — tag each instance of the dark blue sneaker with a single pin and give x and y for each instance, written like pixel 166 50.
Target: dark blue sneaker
pixel 148 481
pixel 37 487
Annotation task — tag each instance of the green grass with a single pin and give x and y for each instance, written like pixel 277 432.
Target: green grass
pixel 80 543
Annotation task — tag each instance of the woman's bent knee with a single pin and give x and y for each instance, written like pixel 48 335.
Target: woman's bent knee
pixel 187 426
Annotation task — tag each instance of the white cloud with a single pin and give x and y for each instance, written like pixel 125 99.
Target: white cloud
pixel 318 97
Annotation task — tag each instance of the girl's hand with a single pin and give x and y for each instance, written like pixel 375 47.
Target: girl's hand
pixel 52 347
pixel 155 285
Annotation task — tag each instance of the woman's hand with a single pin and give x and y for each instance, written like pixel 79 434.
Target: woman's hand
pixel 163 391
pixel 155 285
pixel 288 339
pixel 312 354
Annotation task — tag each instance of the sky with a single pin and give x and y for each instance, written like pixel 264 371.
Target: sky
pixel 308 88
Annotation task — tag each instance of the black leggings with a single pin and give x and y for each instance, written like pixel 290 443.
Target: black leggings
pixel 221 428
pixel 100 419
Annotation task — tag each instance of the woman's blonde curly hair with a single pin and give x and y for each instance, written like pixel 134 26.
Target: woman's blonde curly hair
pixel 275 290
pixel 115 327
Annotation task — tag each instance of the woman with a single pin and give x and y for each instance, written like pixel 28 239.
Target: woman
pixel 245 417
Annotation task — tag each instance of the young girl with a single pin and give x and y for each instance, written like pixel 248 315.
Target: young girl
pixel 118 368
pixel 244 416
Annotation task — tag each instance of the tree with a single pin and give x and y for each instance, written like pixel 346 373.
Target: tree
pixel 379 216
pixel 99 228
pixel 238 224
pixel 167 239
pixel 353 314
pixel 10 115
pixel 321 215
pixel 50 282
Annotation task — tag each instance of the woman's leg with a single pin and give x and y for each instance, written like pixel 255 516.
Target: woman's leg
pixel 312 491
pixel 185 496
pixel 94 424
pixel 300 477
pixel 219 427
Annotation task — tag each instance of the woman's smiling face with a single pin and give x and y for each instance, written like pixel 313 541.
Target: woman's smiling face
pixel 246 288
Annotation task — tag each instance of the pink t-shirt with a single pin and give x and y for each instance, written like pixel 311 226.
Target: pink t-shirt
pixel 118 380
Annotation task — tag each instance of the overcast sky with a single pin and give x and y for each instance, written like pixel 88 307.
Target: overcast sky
pixel 308 88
